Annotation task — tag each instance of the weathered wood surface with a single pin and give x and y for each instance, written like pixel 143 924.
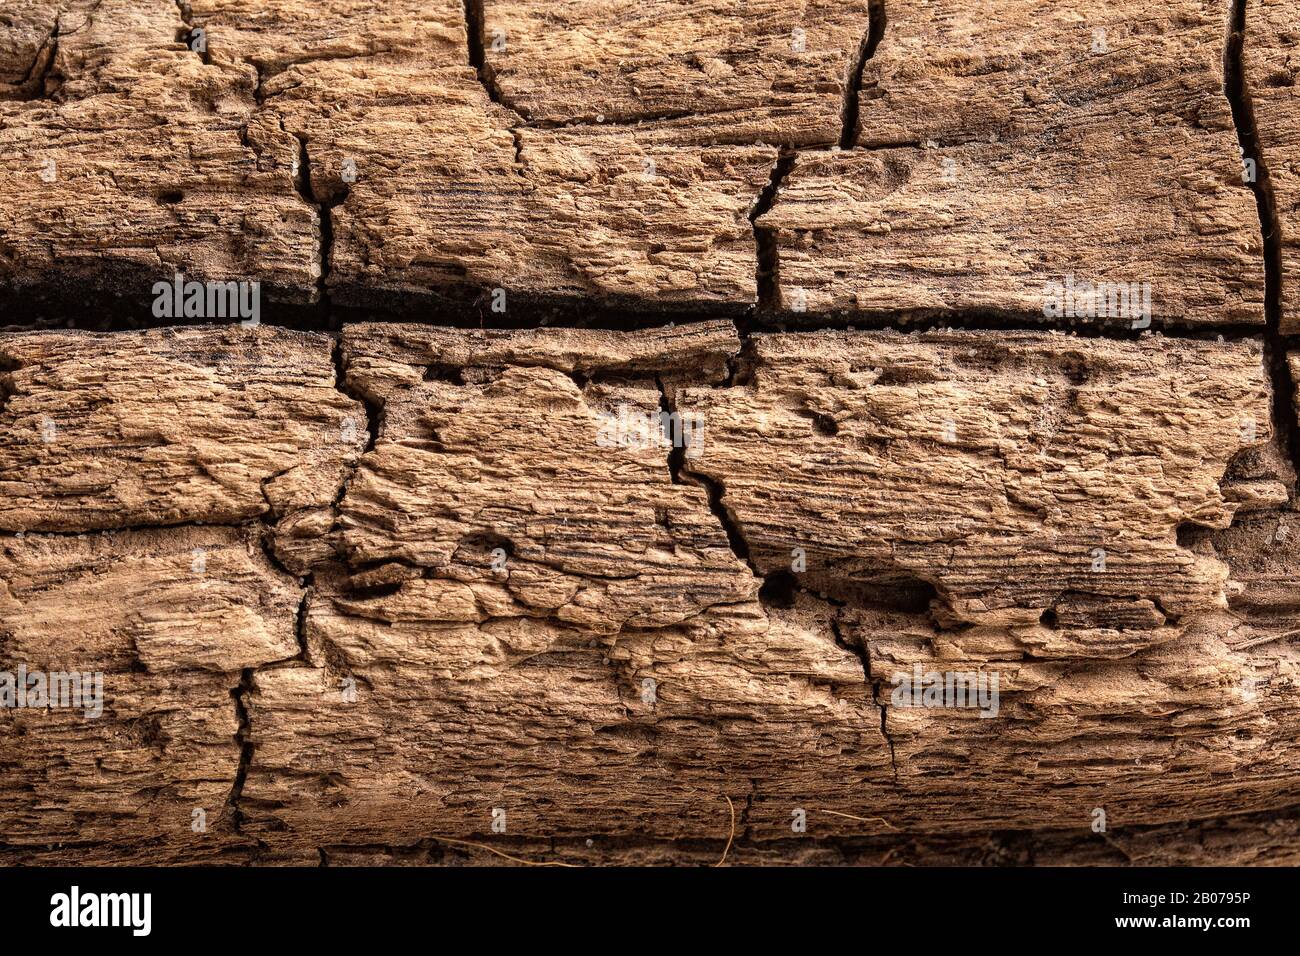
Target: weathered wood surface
pixel 405 593
pixel 26 46
pixel 614 153
pixel 1021 147
pixel 707 70
pixel 504 603
pixel 1008 472
pixel 190 425
pixel 1271 54
pixel 135 160
pixel 169 617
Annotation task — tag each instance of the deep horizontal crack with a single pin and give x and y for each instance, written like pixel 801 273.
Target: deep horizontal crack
pixel 575 315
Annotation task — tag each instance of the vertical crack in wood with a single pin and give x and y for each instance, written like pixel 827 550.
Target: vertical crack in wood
pixel 767 273
pixel 1237 90
pixel 324 214
pixel 746 826
pixel 374 409
pixel 676 451
pixel 374 421
pixel 243 737
pixel 33 85
pixel 474 27
pixel 713 489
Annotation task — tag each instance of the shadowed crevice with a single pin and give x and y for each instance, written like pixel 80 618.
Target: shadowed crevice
pixel 1237 90
pixel 863 653
pixel 192 32
pixel 474 30
pixel 325 202
pixel 34 84
pixel 853 88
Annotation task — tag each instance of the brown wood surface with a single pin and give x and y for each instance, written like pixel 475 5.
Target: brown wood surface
pixel 428 591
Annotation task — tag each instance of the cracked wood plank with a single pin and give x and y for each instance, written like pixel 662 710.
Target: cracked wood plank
pixel 595 546
pixel 1043 468
pixel 547 215
pixel 1195 727
pixel 536 615
pixel 1022 455
pixel 538 619
pixel 399 131
pixel 544 608
pixel 1202 722
pixel 419 186
pixel 552 723
pixel 702 72
pixel 137 164
pixel 168 617
pixel 1018 147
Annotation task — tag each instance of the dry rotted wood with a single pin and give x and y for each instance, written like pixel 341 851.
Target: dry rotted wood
pixel 715 71
pixel 406 593
pixel 169 617
pixel 506 611
pixel 614 153
pixel 135 162
pixel 212 425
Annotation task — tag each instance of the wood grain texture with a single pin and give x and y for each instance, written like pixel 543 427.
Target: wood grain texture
pixel 435 191
pixel 1005 154
pixel 873 412
pixel 169 617
pixel 1244 840
pixel 405 593
pixel 501 610
pixel 612 155
pixel 705 71
pixel 1021 455
pixel 26 47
